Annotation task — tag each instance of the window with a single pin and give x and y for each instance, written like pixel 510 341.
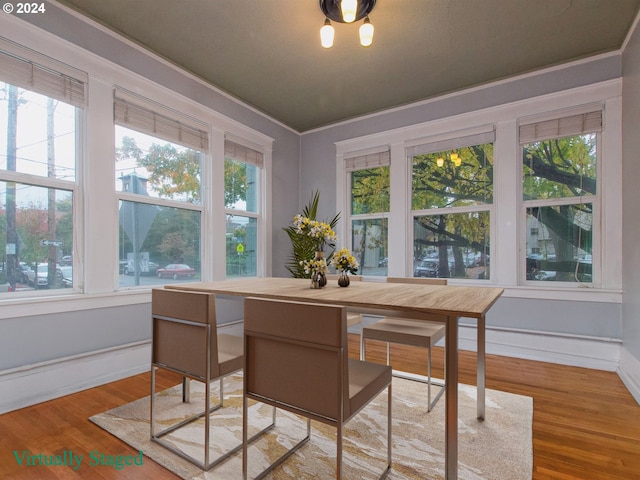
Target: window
pixel 40 110
pixel 451 202
pixel 242 167
pixel 159 158
pixel 559 192
pixel 370 202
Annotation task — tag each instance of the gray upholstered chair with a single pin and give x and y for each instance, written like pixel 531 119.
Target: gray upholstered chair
pixel 296 359
pixel 185 340
pixel 407 331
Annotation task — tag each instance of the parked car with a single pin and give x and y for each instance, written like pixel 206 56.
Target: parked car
pixel 25 274
pixel 67 276
pixel 42 275
pixel 175 271
pixel 426 268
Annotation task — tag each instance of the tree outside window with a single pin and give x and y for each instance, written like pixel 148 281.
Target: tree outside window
pixel 559 193
pixel 452 193
pixel 370 203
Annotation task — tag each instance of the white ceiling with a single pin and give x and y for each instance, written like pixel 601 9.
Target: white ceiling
pixel 267 52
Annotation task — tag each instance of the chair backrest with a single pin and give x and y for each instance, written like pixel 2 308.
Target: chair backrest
pixel 425 281
pixel 296 357
pixel 184 331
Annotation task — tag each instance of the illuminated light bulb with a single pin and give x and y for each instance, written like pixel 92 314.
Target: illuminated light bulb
pixel 439 161
pixel 366 33
pixel 455 158
pixel 326 34
pixel 349 8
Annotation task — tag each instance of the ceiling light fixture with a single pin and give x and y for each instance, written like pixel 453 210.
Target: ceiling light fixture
pixel 346 11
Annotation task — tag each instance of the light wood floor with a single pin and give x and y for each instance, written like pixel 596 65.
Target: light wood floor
pixel 586 425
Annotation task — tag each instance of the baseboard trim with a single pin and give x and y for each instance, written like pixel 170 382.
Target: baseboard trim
pixel 578 351
pixel 629 373
pixel 31 384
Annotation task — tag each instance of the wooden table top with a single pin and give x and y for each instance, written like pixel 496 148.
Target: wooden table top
pixel 449 300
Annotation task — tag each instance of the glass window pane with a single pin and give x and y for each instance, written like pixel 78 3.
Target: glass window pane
pixel 370 190
pixel 158 244
pixel 242 246
pixel 560 168
pixel 40 136
pixel 453 178
pixel 240 185
pixel 559 243
pixel 369 240
pixel 146 165
pixel 36 235
pixel 451 245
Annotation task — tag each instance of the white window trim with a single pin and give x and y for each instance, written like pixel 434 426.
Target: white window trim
pixel 505 224
pixel 79 102
pixel 97 213
pixel 263 268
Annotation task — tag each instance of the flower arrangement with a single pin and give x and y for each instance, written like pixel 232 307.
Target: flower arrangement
pixel 309 238
pixel 318 266
pixel 344 261
pixel 320 232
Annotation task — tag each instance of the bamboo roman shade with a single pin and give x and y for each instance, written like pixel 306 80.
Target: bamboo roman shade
pixel 243 154
pixel 142 118
pixel 67 85
pixel 590 122
pixel 453 143
pixel 371 160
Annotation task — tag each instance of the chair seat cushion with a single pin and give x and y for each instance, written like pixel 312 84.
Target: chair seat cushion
pixel 366 380
pixel 418 333
pixel 230 353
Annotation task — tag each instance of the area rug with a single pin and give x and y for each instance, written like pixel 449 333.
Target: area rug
pixel 498 448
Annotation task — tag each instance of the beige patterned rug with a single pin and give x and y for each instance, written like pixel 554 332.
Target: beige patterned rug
pixel 500 448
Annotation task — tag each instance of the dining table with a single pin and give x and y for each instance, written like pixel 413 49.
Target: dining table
pixel 442 303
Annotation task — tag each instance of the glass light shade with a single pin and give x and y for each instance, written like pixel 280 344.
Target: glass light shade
pixel 326 34
pixel 455 158
pixel 349 8
pixel 366 33
pixel 439 161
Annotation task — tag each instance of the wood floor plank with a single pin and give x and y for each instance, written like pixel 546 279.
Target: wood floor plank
pixel 586 425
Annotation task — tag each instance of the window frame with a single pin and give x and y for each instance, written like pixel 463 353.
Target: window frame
pixel 457 141
pixel 121 97
pixel 594 199
pixel 357 161
pixel 506 225
pixel 259 214
pixel 69 85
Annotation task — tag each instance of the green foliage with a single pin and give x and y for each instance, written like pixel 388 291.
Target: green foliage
pixel 235 181
pixel 438 186
pixel 303 247
pixel 562 167
pixel 370 190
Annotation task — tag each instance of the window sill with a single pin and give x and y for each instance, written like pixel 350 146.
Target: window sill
pixel 570 294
